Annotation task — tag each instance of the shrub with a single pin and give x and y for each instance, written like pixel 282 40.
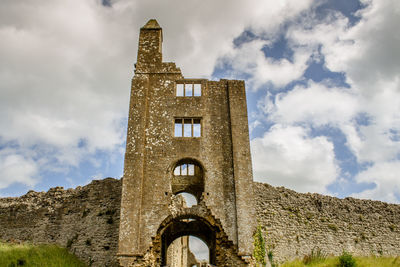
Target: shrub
pixel 270 255
pixel 347 260
pixel 333 227
pixel 85 213
pixel 71 241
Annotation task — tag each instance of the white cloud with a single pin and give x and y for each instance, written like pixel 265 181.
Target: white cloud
pixel 315 104
pixel 254 125
pixel 385 177
pixel 64 83
pixel 372 69
pixel 15 168
pixel 197 40
pixel 315 166
pixel 66 67
pixel 371 54
pixel 367 55
pixel 288 156
pixel 250 59
pixel 331 34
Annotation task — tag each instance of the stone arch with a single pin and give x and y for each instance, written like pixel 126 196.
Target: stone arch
pixel 199 223
pixel 188 225
pixel 187 176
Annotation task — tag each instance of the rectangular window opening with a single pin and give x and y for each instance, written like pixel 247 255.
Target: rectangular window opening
pixel 184 169
pixel 179 90
pixel 187 127
pixel 188 89
pixel 196 128
pixel 190 169
pixel 178 128
pixel 197 89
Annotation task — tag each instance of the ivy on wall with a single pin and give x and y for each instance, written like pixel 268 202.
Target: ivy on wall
pixel 259 247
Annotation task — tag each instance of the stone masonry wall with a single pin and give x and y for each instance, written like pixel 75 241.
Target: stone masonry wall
pixel 86 220
pixel 296 223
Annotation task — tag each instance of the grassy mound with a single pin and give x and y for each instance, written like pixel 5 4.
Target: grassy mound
pixel 335 262
pixel 13 255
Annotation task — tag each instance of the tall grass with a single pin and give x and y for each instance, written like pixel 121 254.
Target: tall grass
pixel 14 255
pixel 378 261
pixel 360 262
pixel 315 256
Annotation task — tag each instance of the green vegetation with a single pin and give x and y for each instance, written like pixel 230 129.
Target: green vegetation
pixel 346 259
pixel 13 255
pixel 329 262
pixel 333 227
pixel 316 255
pixel 259 247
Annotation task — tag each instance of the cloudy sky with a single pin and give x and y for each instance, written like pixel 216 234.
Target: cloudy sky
pixel 322 78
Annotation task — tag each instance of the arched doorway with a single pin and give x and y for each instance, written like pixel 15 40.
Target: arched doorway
pixel 188 226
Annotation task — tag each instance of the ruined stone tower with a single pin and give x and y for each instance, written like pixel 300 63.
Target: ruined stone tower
pixel 184 135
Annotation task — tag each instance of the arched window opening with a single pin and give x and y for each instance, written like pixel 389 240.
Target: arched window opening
pixel 188 250
pixel 188 200
pixel 188 177
pixel 187 169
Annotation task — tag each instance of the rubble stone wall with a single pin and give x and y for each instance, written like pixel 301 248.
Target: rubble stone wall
pixel 296 223
pixel 86 221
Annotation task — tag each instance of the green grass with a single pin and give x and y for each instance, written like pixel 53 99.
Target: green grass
pixel 360 262
pixel 13 255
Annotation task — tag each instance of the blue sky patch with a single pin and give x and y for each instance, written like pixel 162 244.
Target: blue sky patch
pixel 347 7
pixel 279 49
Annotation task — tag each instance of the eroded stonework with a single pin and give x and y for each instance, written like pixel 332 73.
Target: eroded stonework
pixel 86 221
pixel 184 135
pixel 297 223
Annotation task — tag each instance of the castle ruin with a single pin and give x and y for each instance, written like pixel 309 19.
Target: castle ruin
pixel 184 135
pixel 190 135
